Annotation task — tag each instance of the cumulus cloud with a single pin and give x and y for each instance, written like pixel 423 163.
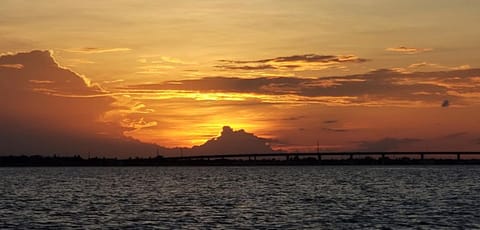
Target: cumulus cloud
pixel 233 142
pixel 408 50
pixel 296 62
pixel 47 109
pixel 96 50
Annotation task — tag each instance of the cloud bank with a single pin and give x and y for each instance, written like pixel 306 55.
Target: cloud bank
pixel 47 109
pixel 377 88
pixel 294 62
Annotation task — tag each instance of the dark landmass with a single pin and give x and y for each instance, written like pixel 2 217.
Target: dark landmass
pixel 237 160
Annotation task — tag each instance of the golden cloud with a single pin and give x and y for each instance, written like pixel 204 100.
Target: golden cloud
pixel 95 50
pixel 294 62
pixel 13 66
pixel 408 50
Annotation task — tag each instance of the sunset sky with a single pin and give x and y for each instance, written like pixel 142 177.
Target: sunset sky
pixel 372 75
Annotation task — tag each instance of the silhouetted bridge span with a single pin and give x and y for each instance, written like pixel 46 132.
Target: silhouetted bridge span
pixel 319 156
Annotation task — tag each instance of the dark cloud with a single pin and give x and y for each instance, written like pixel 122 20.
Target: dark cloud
pixel 233 142
pixel 305 58
pixel 47 109
pixel 374 87
pixel 223 84
pixel 335 130
pixel 330 121
pixel 455 135
pixel 295 118
pixel 445 103
pixel 385 145
pixel 246 67
pixel 477 141
pixel 308 61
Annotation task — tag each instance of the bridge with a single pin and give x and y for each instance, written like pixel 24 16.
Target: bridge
pixel 320 156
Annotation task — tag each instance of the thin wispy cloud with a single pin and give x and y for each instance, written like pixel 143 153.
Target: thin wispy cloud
pixel 247 67
pixel 156 59
pixel 336 130
pixel 96 50
pixel 173 60
pixel 422 66
pixel 294 62
pixel 408 50
pixel 330 121
pixel 80 61
pixel 12 66
pixel 304 58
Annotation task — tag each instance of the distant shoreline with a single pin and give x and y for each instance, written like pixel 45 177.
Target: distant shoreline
pixel 75 161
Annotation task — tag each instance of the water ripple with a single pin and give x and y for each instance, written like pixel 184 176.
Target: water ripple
pixel 422 197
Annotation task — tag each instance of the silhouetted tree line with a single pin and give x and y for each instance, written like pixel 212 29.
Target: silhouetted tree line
pixel 64 161
pixel 77 160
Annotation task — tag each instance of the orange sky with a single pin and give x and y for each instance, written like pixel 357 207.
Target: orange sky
pixel 370 75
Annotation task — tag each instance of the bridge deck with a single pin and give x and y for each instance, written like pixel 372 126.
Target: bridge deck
pixel 320 155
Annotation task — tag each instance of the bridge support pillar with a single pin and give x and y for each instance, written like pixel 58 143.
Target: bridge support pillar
pixel 319 157
pixel 422 156
pixel 458 157
pixel 351 156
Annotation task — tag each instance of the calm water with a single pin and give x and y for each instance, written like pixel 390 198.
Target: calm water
pixel 241 197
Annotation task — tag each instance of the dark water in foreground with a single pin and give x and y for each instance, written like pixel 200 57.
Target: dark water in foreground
pixel 241 197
